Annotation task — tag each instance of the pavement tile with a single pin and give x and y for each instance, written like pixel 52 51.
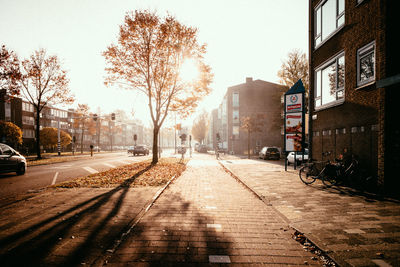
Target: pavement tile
pixel 240 227
pixel 337 219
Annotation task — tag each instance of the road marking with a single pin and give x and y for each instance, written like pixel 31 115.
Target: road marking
pixel 109 165
pixel 55 178
pixel 214 225
pixel 90 170
pixel 219 259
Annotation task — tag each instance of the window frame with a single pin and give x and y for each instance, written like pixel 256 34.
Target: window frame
pixel 320 68
pixel 361 53
pixel 318 35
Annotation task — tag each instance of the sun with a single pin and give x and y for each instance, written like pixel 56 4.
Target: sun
pixel 189 70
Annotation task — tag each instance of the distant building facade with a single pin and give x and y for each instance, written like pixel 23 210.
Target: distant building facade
pixel 354 83
pixel 108 134
pixel 254 98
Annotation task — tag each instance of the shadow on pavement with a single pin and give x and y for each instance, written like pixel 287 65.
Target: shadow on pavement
pixel 51 241
pixel 174 232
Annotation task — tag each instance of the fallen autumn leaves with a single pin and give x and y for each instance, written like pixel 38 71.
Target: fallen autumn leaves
pixel 132 175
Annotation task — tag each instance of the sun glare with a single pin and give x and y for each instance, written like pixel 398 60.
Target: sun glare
pixel 189 71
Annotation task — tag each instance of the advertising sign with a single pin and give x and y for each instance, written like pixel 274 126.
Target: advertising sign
pixel 294 118
pixel 294 103
pixel 294 123
pixel 293 142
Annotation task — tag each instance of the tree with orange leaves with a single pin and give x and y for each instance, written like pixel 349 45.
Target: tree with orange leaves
pixel 44 83
pixel 9 71
pixel 149 57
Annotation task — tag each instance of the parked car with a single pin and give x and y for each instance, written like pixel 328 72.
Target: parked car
pixel 11 160
pixel 130 149
pixel 299 157
pixel 140 149
pixel 196 147
pixel 269 153
pixel 202 149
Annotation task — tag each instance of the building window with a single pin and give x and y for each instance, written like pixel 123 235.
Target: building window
pixel 235 116
pixel 235 99
pixel 7 108
pixel 235 131
pixel 28 120
pixel 27 133
pixel 366 64
pixel 329 82
pixel 328 16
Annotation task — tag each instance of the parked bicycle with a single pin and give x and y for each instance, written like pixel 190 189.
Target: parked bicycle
pixel 354 176
pixel 323 170
pixel 336 173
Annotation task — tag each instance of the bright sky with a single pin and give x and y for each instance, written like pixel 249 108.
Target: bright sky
pixel 245 38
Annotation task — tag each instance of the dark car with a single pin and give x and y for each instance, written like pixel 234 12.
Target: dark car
pixel 11 160
pixel 202 149
pixel 269 153
pixel 140 149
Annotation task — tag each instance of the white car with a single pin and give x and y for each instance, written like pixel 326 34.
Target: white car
pixel 299 157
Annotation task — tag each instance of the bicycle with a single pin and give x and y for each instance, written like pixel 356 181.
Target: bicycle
pixel 310 172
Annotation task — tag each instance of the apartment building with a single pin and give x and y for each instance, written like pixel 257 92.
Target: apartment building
pixel 354 83
pixel 106 133
pixel 254 98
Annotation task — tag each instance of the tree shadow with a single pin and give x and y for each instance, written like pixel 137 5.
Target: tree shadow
pixel 173 233
pixel 35 244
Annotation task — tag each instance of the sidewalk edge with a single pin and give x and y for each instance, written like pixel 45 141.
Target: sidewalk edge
pixel 329 254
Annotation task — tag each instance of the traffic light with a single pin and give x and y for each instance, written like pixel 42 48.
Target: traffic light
pixel 95 117
pixel 218 137
pixel 135 137
pixel 183 137
pixel 178 126
pixel 113 116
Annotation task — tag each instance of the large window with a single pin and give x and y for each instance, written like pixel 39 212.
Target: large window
pixel 328 16
pixel 235 131
pixel 366 64
pixel 235 99
pixel 235 116
pixel 329 82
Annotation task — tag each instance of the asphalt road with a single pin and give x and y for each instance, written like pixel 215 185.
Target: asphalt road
pixel 41 176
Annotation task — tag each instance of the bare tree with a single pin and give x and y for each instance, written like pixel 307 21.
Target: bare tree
pixel 84 122
pixel 9 72
pixel 295 67
pixel 251 124
pixel 44 83
pixel 149 56
pixel 200 127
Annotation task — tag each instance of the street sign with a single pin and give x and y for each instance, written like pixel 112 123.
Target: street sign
pixel 295 118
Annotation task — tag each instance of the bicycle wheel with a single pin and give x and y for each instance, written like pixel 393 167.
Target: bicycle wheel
pixel 328 180
pixel 306 175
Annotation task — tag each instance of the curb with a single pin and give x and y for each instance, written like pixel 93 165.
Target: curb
pixel 283 217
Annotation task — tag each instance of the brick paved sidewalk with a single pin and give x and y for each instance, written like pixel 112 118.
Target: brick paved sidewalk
pixel 355 229
pixel 206 217
pixel 67 227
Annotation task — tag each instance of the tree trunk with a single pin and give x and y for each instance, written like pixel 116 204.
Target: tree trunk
pixel 82 132
pixel 155 145
pixel 39 156
pixel 248 144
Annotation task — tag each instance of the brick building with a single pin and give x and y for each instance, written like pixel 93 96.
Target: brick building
pixel 117 134
pixel 254 98
pixel 354 83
